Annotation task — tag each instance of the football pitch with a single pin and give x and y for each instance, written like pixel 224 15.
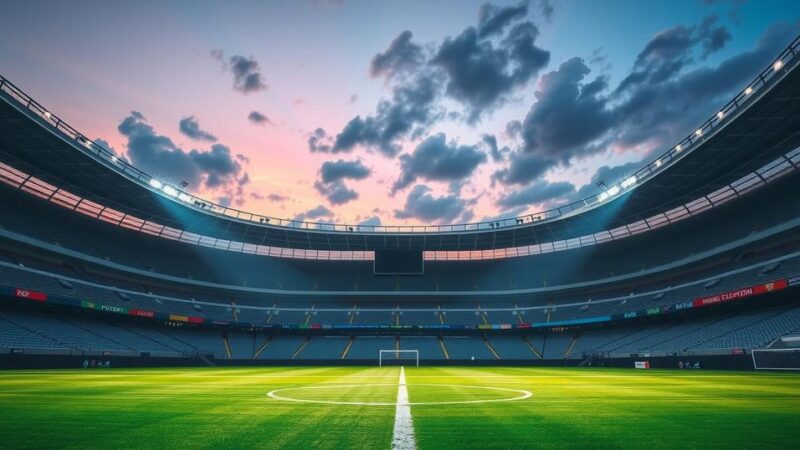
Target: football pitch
pixel 366 407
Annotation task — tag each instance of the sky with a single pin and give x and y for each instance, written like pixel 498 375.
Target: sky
pixel 407 112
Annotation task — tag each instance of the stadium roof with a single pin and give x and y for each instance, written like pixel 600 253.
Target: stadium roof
pixel 759 125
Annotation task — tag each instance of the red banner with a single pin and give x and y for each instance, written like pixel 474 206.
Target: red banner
pixel 30 295
pixel 740 293
pixel 193 319
pixel 142 313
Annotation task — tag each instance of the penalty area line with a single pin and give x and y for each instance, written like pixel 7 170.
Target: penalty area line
pixel 403 435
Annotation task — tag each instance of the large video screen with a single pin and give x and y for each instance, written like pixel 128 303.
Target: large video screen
pixel 399 262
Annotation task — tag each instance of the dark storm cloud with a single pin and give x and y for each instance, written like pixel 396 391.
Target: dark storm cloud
pixel 159 156
pixel 246 72
pixel 314 214
pixel 493 19
pixel 421 205
pixel 537 193
pixel 258 118
pixel 435 159
pixel 480 75
pixel 402 57
pixel 190 127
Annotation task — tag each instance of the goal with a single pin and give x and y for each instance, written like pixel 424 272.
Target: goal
pixel 398 357
pixel 776 359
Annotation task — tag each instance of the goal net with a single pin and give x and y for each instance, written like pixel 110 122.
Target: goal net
pixel 401 357
pixel 776 359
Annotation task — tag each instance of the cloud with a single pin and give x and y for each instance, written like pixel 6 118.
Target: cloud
pixel 402 57
pixel 337 170
pixel 421 205
pixel 480 75
pixel 333 173
pixel 319 141
pixel 409 113
pixel 314 214
pixel 547 10
pixel 492 19
pixel 522 168
pixel 537 193
pixel 277 198
pixel 435 159
pixel 156 154
pixel 258 118
pixel 247 77
pixel 190 127
pixel 569 113
pixel 336 192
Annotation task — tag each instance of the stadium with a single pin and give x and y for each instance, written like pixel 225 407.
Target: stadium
pixel 661 310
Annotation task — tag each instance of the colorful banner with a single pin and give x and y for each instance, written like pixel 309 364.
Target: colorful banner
pixel 142 313
pixel 740 293
pixel 30 295
pixel 178 318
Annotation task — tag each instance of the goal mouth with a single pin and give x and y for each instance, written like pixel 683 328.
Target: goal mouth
pixel 776 358
pixel 398 357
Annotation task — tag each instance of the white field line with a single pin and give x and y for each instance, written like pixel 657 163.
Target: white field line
pixel 403 436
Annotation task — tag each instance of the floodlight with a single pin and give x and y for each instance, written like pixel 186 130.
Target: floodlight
pixel 699 132
pixel 155 183
pixel 629 182
pixel 748 91
pixel 613 190
pixel 171 191
pixel 679 148
pixel 777 66
pixel 720 115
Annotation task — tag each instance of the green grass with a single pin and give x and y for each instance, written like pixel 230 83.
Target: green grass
pixel 228 408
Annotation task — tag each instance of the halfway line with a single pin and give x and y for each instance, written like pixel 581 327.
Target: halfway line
pixel 403 437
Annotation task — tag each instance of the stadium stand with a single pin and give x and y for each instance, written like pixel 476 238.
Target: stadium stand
pixel 698 255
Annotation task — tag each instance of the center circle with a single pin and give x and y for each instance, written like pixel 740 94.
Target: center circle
pixel 281 394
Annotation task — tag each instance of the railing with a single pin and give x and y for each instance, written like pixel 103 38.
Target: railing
pixel 785 61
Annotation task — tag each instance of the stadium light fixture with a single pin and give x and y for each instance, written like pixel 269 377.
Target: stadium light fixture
pixel 658 163
pixel 748 91
pixel 630 181
pixel 699 132
pixel 720 115
pixel 156 184
pixel 777 66
pixel 613 190
pixel 171 191
pixel 114 159
pixel 47 114
pixel 678 148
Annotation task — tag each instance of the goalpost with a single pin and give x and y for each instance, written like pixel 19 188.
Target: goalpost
pixel 401 356
pixel 776 359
